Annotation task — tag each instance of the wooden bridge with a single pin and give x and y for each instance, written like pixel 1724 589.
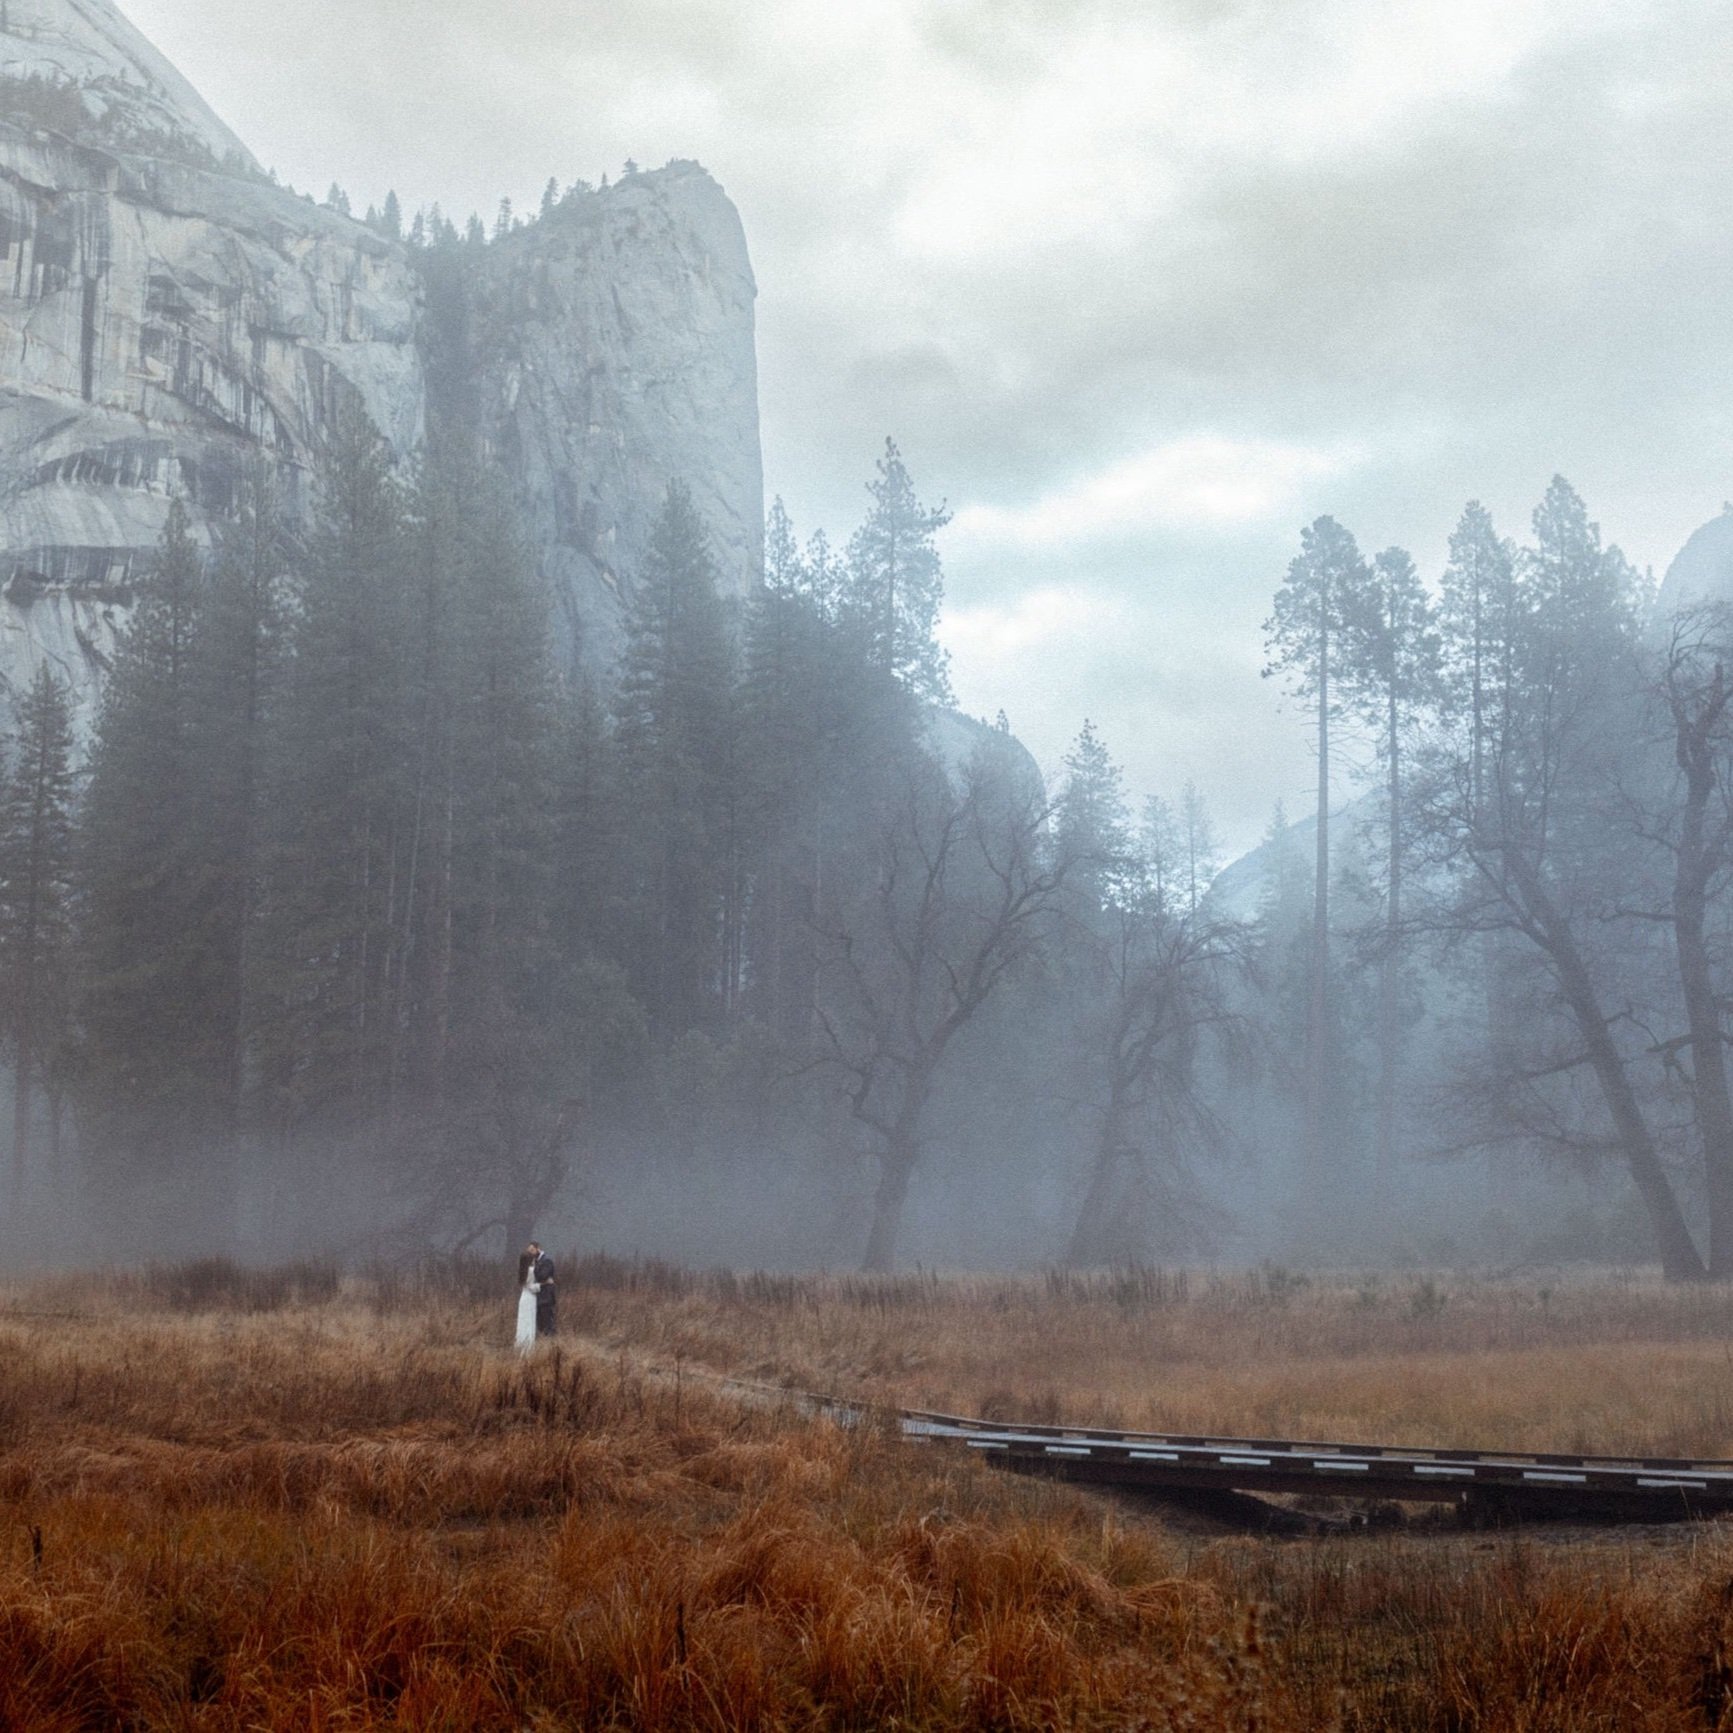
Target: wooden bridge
pixel 1484 1484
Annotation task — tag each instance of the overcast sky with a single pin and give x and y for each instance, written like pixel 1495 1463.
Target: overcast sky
pixel 1140 286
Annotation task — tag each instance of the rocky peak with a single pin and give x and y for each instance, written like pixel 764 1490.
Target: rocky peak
pixel 167 314
pixel 1702 570
pixel 122 92
pixel 613 352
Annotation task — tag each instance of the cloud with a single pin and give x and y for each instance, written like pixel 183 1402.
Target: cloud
pixel 1202 479
pixel 1142 285
pixel 993 634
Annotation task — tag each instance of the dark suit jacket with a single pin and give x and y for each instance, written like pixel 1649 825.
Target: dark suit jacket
pixel 544 1275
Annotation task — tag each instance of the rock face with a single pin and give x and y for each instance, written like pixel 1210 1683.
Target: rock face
pixel 166 313
pixel 161 323
pixel 612 352
pixel 1702 570
pixel 127 90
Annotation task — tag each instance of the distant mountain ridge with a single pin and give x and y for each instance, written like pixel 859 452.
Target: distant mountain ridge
pixel 90 46
pixel 1702 570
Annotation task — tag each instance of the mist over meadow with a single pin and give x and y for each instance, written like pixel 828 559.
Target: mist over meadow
pixel 443 802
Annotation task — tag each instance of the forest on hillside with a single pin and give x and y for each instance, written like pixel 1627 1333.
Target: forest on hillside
pixel 362 922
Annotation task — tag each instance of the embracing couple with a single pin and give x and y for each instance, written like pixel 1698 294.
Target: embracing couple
pixel 536 1296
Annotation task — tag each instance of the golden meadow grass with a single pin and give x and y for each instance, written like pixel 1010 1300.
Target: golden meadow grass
pixel 283 1501
pixel 1609 1365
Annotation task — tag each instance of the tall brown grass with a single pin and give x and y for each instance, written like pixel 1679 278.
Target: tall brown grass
pixel 1613 1364
pixel 291 1500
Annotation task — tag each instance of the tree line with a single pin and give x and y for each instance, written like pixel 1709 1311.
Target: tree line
pixel 361 918
pixel 1549 922
pixel 355 881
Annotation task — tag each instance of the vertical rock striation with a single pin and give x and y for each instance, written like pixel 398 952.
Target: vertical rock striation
pixel 614 352
pixel 166 312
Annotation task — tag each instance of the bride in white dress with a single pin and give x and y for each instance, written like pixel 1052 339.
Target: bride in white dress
pixel 528 1288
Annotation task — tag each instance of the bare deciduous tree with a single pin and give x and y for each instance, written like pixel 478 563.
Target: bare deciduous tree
pixel 964 885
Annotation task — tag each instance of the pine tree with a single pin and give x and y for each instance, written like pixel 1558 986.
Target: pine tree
pixel 589 820
pixel 490 1019
pixel 36 887
pixel 1395 680
pixel 825 577
pixel 673 716
pixel 1091 829
pixel 1319 620
pixel 1478 621
pixel 148 1059
pixel 807 702
pixel 340 802
pixel 1583 601
pixel 896 584
pixel 391 218
pixel 1161 851
pixel 1198 839
pixel 783 572
pixel 239 651
pixel 1532 852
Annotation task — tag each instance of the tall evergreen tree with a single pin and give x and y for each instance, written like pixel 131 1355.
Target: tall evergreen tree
pixel 239 648
pixel 1394 679
pixel 896 583
pixel 673 720
pixel 1198 835
pixel 784 574
pixel 1319 621
pixel 1161 849
pixel 1091 829
pixel 153 1053
pixel 807 702
pixel 341 802
pixel 1478 621
pixel 1534 857
pixel 37 801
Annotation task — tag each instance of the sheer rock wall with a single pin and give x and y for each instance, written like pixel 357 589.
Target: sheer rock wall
pixel 166 312
pixel 613 351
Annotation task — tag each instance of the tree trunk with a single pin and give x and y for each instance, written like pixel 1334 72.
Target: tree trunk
pixel 1710 1094
pixel 520 1224
pixel 896 1165
pixel 56 1105
pixel 20 1123
pixel 1089 1238
pixel 1390 976
pixel 1680 1259
pixel 1318 1004
pixel 1714 1107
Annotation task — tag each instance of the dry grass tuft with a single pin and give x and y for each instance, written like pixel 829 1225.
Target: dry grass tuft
pixel 287 1500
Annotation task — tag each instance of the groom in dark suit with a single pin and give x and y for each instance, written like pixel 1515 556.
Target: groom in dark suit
pixel 547 1298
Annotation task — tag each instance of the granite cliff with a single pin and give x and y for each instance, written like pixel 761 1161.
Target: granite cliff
pixel 166 312
pixel 610 348
pixel 1702 570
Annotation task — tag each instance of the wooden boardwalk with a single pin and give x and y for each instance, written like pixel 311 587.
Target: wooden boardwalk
pixel 1481 1482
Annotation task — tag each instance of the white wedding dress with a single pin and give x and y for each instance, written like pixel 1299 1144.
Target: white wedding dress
pixel 526 1315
